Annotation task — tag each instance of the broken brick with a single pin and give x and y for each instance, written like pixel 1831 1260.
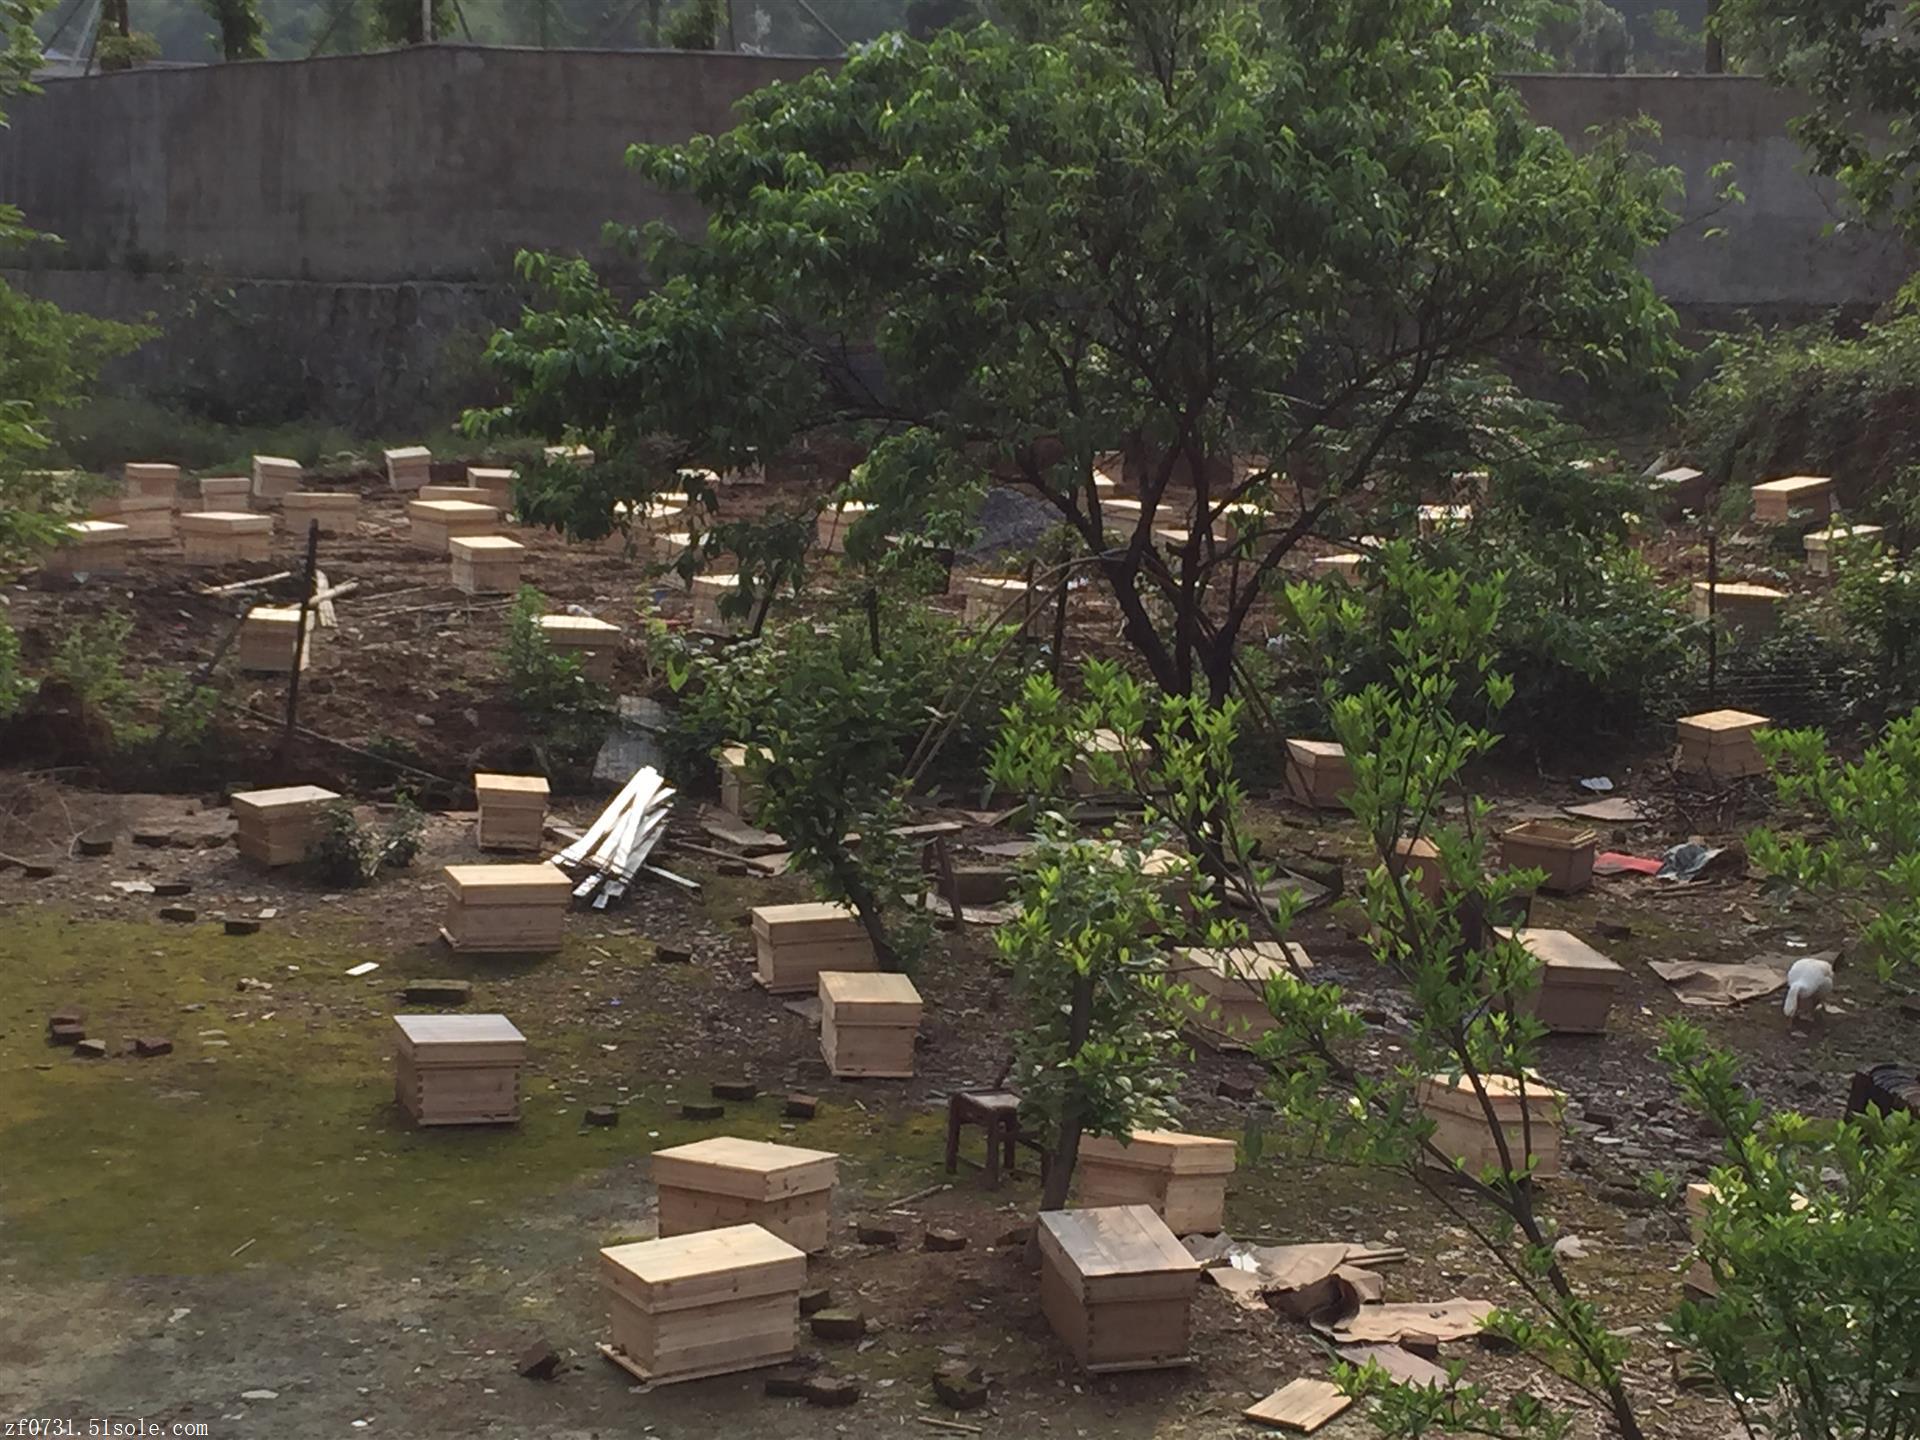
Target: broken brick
pixel 841 1325
pixel 539 1361
pixel 801 1107
pixel 876 1232
pixel 738 1090
pixel 831 1390
pixel 702 1110
pixel 151 1045
pixel 960 1385
pixel 945 1241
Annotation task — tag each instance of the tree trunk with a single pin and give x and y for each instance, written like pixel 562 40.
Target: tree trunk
pixel 1066 1153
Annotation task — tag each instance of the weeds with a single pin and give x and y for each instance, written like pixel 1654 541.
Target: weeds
pixel 348 854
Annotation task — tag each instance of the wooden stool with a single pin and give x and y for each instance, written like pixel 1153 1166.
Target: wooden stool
pixel 998 1113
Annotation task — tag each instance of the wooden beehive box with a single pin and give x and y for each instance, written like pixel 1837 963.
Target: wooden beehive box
pixel 506 909
pixel 1749 611
pixel 1700 1197
pixel 1564 852
pixel 1117 1287
pixel 431 524
pixel 485 564
pixel 868 1021
pixel 656 516
pixel 1082 776
pixel 568 455
pixel 1229 987
pixel 708 592
pixel 712 1184
pixel 1344 567
pixel 1820 545
pixel 410 467
pixel 148 518
pixel 153 482
pixel 796 942
pixel 1681 488
pixel 1577 983
pixel 1318 773
pixel 666 547
pixel 992 600
pixel 739 796
pixel 226 492
pixel 1238 519
pixel 595 644
pixel 709 1303
pixel 1182 1178
pixel 275 475
pixel 226 537
pixel 266 640
pixel 1775 502
pixel 497 483
pixel 1460 1126
pixel 1120 515
pixel 472 494
pixel 1720 745
pixel 513 811
pixel 1419 861
pixel 338 512
pixel 831 526
pixel 1432 519
pixel 89 547
pixel 276 827
pixel 458 1069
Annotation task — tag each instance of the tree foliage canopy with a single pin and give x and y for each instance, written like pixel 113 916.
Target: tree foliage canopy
pixel 1188 229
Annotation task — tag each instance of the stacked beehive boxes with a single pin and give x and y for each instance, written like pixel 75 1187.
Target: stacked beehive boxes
pixel 458 1069
pixel 1564 852
pixel 431 524
pixel 145 502
pixel 513 811
pixel 1749 611
pixel 1182 1178
pixel 708 593
pixel 506 909
pixel 90 547
pixel 409 467
pixel 1577 983
pixel 277 827
pixel 336 512
pixel 1318 773
pixel 275 476
pixel 868 1023
pixel 992 600
pixel 1229 987
pixel 1720 744
pixel 831 527
pixel 595 644
pixel 796 942
pixel 708 1303
pixel 266 640
pixel 1776 501
pixel 226 537
pixel 1821 545
pixel 1681 488
pixel 486 564
pixel 1117 1287
pixel 1461 1133
pixel 153 482
pixel 226 492
pixel 498 485
pixel 712 1184
pixel 739 796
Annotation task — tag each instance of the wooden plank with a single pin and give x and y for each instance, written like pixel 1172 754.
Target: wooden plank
pixel 1303 1405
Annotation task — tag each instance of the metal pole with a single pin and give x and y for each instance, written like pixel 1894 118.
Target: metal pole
pixel 426 22
pixel 300 638
pixel 1713 618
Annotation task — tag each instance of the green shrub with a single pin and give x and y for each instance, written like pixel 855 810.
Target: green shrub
pixel 567 711
pixel 348 854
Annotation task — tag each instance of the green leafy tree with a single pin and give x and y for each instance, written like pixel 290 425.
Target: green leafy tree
pixel 243 31
pixel 1184 230
pixel 400 22
pixel 1864 854
pixel 697 25
pixel 1100 1051
pixel 1815 1331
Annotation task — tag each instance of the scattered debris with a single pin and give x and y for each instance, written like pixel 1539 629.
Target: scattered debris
pixel 602 1115
pixel 945 1241
pixel 172 889
pixel 151 1045
pixel 831 1391
pixel 1443 1320
pixel 1018 1238
pixel 1608 812
pixel 90 1049
pixel 1717 986
pixel 613 851
pixel 1399 1364
pixel 539 1361
pixel 1303 1405
pixel 801 1107
pixel 1695 861
pixel 179 914
pixel 960 1385
pixel 672 955
pixel 876 1232
pixel 365 967
pixel 243 927
pixel 97 841
pixel 1609 863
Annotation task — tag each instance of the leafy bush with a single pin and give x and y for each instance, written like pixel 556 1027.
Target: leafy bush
pixel 348 854
pixel 567 711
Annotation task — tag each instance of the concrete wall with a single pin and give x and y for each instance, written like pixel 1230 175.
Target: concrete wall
pixel 359 209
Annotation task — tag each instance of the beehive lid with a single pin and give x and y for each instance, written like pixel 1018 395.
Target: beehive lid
pixel 869 997
pixel 524 789
pixel 1103 742
pixel 342 499
pixel 276 462
pixel 996 585
pixel 1317 749
pixel 273 615
pixel 281 801
pixel 145 470
pixel 1818 540
pixel 1679 475
pixel 1738 590
pixel 578 453
pixel 463 1039
pixel 95 532
pixel 1173 1151
pixel 1562 950
pixel 1255 962
pixel 508 884
pixel 409 452
pixel 1456 1094
pixel 445 510
pixel 1552 834
pixel 227 522
pixel 807 920
pixel 1117 1252
pixel 683 1272
pixel 485 547
pixel 1345 560
pixel 1712 724
pixel 748 1169
pixel 1793 485
pixel 488 478
pixel 716 582
pixel 576 625
pixel 475 494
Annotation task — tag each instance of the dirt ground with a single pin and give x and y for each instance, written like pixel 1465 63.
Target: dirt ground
pixel 244 1233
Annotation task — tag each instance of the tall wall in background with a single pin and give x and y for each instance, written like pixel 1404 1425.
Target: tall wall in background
pixel 324 228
